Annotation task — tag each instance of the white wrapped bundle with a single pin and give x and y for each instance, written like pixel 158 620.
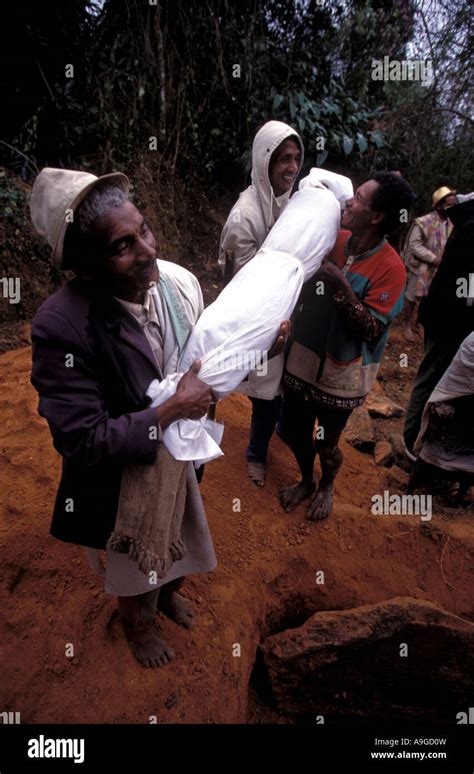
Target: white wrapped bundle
pixel 307 228
pixel 340 186
pixel 233 334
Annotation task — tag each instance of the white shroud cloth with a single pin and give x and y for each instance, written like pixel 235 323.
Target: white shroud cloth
pixel 234 333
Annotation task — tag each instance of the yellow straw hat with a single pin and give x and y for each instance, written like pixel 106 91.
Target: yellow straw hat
pixel 441 193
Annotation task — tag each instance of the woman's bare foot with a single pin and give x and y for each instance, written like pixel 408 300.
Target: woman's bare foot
pixel 294 494
pixel 178 608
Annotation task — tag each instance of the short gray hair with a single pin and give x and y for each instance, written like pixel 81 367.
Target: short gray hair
pixel 79 237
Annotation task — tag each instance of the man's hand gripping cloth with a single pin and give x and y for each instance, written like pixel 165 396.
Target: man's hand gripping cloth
pixel 234 334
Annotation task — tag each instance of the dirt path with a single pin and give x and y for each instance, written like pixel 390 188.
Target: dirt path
pixel 265 579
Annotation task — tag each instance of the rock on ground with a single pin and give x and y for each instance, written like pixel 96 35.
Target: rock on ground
pixel 359 431
pixel 397 477
pixel 402 654
pixel 382 406
pixel 383 453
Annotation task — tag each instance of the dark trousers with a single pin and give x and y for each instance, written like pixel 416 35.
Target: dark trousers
pixel 296 427
pixel 265 415
pixel 439 352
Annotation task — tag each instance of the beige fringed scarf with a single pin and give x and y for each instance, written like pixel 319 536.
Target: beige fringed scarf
pixel 150 514
pixel 152 497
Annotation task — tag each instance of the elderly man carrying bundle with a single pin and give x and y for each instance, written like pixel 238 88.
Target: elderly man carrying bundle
pixel 98 343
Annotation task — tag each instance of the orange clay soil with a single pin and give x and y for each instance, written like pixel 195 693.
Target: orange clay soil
pixel 265 580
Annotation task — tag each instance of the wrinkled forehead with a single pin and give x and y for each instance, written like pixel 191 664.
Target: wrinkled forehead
pixel 366 191
pixel 116 221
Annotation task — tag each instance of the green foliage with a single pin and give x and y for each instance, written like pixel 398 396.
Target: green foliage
pixel 200 78
pixel 12 200
pixel 343 125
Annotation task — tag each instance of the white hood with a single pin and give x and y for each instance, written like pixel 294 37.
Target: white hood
pixel 267 139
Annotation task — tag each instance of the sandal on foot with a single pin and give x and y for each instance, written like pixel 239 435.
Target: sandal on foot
pixel 256 471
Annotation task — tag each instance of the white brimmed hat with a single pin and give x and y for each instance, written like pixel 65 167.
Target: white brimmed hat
pixel 56 194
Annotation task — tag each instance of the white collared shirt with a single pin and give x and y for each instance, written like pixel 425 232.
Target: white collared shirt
pixel 147 317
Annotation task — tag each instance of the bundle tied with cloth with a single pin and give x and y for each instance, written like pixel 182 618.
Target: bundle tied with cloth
pixel 231 338
pixel 233 335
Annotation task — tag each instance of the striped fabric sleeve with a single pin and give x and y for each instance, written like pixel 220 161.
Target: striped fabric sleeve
pixel 358 317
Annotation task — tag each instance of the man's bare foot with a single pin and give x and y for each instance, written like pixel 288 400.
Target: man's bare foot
pixel 178 608
pixel 321 505
pixel 294 494
pixel 150 650
pixel 408 333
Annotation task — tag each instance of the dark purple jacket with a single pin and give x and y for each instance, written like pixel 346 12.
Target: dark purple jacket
pixel 94 403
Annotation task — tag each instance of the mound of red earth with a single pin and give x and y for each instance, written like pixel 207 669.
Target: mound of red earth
pixel 64 658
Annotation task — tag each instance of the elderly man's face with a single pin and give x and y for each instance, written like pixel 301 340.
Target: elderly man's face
pixel 127 252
